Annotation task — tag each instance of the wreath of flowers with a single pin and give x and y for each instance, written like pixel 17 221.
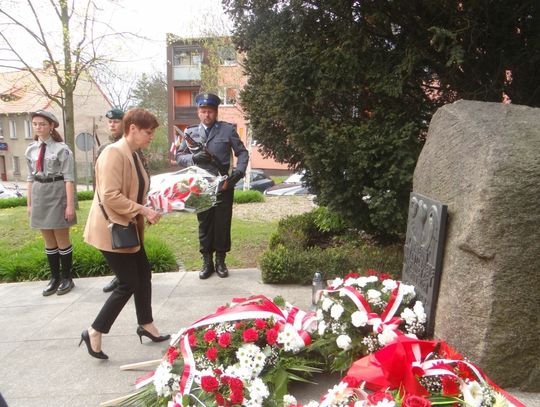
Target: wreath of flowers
pixel 246 353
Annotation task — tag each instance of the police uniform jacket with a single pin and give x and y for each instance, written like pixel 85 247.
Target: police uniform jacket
pixel 117 184
pixel 222 140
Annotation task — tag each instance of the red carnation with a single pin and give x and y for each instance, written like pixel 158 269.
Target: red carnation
pixel 450 386
pixel 220 401
pixel 411 400
pixel 351 381
pixel 379 396
pixel 351 275
pixel 224 339
pixel 210 335
pixel 250 335
pixel 371 272
pixel 238 325
pixel 271 336
pixel 385 276
pixel 212 353
pixel 237 397
pixel 260 323
pixel 209 384
pixel 172 354
pixel 192 339
pixel 236 384
pixel 217 371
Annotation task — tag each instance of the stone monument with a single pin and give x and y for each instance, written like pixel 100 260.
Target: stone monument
pixel 483 161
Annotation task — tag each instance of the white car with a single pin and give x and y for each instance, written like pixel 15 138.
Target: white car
pixel 291 186
pixel 8 193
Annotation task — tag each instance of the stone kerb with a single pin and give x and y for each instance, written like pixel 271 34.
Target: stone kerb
pixel 483 161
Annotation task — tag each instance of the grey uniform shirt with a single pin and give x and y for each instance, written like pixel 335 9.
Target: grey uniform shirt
pixel 58 160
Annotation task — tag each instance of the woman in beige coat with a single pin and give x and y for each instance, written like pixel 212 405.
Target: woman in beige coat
pixel 121 187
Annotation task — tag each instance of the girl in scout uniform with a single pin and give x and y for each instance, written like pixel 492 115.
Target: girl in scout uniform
pixel 51 197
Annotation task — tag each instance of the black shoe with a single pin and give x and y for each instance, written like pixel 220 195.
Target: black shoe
pixel 221 268
pixel 86 338
pixel 143 332
pixel 66 285
pixel 51 287
pixel 208 266
pixel 111 286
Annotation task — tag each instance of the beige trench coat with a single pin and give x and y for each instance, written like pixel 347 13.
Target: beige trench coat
pixel 117 184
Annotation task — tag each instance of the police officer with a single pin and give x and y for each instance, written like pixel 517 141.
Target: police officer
pixel 116 130
pixel 220 139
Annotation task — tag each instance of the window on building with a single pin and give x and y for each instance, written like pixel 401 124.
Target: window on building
pixel 229 96
pixel 227 55
pixel 1 131
pixel 16 166
pixel 27 129
pixel 186 57
pixel 12 129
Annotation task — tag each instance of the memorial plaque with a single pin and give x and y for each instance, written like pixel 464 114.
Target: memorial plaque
pixel 424 247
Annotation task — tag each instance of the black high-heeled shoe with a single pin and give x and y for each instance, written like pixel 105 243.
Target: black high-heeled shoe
pixel 86 338
pixel 143 332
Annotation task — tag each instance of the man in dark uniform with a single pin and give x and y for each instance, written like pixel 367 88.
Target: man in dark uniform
pixel 116 131
pixel 219 139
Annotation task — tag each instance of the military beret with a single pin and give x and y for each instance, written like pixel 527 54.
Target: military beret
pixel 115 114
pixel 47 115
pixel 207 99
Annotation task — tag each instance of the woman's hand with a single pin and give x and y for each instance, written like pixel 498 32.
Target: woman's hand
pixel 151 215
pixel 69 213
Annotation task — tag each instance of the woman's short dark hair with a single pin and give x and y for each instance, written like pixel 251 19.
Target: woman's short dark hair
pixel 141 118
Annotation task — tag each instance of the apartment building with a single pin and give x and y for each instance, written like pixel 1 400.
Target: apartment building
pixel 209 64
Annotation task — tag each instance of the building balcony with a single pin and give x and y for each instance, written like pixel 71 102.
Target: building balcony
pixel 187 72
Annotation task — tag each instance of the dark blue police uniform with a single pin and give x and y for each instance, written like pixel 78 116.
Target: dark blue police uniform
pixel 221 141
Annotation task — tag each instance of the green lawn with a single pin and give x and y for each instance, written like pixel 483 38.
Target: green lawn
pixel 177 230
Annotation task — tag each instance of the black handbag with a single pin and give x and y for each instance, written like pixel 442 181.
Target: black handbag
pixel 122 237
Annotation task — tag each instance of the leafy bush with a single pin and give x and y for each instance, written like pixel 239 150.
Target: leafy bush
pixel 21 201
pixel 318 241
pixel 30 263
pixel 241 197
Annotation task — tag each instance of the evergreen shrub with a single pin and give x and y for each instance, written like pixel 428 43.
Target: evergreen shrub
pixel 241 197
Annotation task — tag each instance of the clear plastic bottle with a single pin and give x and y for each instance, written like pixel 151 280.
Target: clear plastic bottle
pixel 316 288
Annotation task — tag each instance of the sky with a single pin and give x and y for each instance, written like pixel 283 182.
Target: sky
pixel 150 20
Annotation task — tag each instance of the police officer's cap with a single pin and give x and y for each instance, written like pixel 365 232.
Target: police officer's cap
pixel 115 114
pixel 47 115
pixel 207 99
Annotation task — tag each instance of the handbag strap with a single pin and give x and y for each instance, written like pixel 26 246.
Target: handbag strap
pixel 102 208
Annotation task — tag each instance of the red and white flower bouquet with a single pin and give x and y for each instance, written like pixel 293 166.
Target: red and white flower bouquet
pixel 358 315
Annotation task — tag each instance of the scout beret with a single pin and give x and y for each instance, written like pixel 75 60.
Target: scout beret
pixel 47 115
pixel 115 114
pixel 207 99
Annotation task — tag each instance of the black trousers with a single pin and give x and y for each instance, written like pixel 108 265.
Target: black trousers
pixel 134 277
pixel 215 225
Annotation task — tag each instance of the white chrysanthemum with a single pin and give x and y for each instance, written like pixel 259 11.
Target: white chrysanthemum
pixel 290 339
pixel 361 281
pixel 372 279
pixel 312 404
pixel 500 401
pixel 373 294
pixel 350 281
pixel 336 311
pixel 419 311
pixel 472 393
pixel 406 289
pixel 257 391
pixel 319 315
pixel 386 403
pixel 408 316
pixel 336 282
pixel 327 303
pixel 386 336
pixel 389 284
pixel 337 394
pixel 321 328
pixel 343 342
pixel 359 318
pixel 162 380
pixel 361 403
pixel 288 400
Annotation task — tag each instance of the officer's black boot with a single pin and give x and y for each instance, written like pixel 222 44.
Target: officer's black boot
pixel 66 258
pixel 221 268
pixel 208 266
pixel 54 264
